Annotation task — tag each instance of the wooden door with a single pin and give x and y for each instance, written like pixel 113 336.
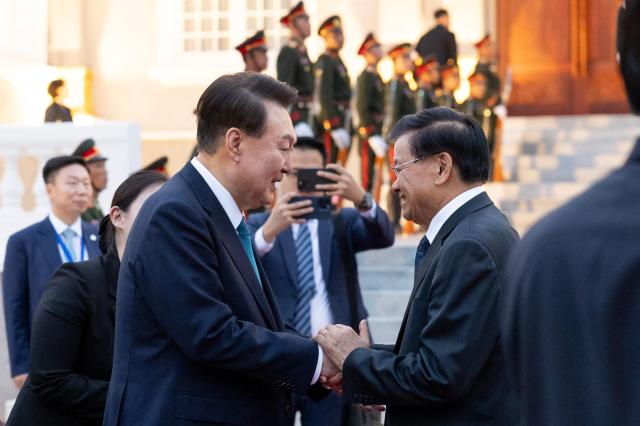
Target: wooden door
pixel 562 56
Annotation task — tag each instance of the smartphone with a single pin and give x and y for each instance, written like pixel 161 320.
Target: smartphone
pixel 322 207
pixel 308 179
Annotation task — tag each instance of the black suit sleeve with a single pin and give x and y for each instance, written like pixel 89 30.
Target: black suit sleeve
pixel 286 65
pixel 456 343
pixel 453 48
pixel 56 335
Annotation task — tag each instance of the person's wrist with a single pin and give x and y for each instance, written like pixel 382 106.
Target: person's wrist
pixel 268 233
pixel 365 203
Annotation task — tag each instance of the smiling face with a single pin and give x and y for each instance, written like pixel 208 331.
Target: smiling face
pixel 415 183
pixel 265 159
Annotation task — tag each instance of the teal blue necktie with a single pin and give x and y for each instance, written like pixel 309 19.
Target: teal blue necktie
pixel 245 239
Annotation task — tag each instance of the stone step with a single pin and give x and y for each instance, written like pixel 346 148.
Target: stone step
pixel 385 277
pixel 386 303
pixel 384 330
pixel 402 253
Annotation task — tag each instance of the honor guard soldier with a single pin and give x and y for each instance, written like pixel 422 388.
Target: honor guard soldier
pixel 493 99
pixel 400 101
pixel 370 107
pixel 427 76
pixel 295 68
pixel 254 52
pixel 159 165
pixel 450 78
pixel 96 164
pixel 476 103
pixel 333 93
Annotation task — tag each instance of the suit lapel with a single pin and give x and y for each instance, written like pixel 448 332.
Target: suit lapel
pixel 325 238
pixel 48 245
pixel 478 202
pixel 91 241
pixel 288 248
pixel 229 238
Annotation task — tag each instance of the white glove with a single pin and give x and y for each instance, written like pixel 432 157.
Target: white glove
pixel 500 111
pixel 342 138
pixel 302 129
pixel 378 145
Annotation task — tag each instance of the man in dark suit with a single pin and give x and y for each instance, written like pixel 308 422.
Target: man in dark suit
pixel 446 367
pixel 439 41
pixel 573 296
pixel 199 337
pixel 323 295
pixel 34 253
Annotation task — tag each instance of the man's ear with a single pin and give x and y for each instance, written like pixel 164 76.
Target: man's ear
pixel 233 139
pixel 444 161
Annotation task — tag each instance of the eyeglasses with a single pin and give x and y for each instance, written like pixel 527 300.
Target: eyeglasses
pixel 400 167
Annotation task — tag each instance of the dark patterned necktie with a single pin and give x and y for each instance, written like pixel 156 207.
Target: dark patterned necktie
pixel 306 282
pixel 421 252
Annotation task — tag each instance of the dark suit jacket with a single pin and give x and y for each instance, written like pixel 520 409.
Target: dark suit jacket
pixel 31 258
pixel 56 112
pixel 572 323
pixel 447 367
pixel 439 42
pixel 72 347
pixel 360 234
pixel 198 339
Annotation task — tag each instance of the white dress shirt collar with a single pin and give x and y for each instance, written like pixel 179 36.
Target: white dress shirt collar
pixel 59 225
pixel 228 203
pixel 449 209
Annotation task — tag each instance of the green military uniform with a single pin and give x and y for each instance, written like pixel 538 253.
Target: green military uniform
pixel 479 110
pixel 492 98
pixel 93 214
pixel 400 101
pixel 447 100
pixel 333 87
pixel 295 69
pixel 370 106
pixel 425 98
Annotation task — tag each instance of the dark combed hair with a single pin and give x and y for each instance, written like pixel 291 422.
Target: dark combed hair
pixel 436 130
pixel 54 86
pixel 53 165
pixel 629 50
pixel 238 100
pixel 311 144
pixel 124 196
pixel 440 12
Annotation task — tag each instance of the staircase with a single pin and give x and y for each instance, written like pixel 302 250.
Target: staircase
pixel 546 160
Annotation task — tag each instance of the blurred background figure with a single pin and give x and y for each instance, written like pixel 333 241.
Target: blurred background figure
pixel 333 87
pixel 476 104
pixel 439 41
pixel 427 76
pixel 573 296
pixel 254 52
pixel 73 328
pixel 295 68
pixel 34 253
pixel 450 76
pixel 159 165
pixel 96 164
pixel 399 101
pixel 57 111
pixel 370 107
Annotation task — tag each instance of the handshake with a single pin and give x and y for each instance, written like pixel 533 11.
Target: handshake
pixel 337 342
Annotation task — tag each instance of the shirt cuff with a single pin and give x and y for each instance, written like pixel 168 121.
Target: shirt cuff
pixel 368 214
pixel 262 247
pixel 316 375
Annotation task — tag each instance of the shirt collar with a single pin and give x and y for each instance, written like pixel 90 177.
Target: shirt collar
pixel 228 203
pixel 60 226
pixel 449 209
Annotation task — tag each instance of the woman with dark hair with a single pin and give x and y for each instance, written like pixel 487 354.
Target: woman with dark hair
pixel 73 328
pixel 56 111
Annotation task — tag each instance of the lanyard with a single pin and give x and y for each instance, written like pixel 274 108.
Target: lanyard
pixel 66 251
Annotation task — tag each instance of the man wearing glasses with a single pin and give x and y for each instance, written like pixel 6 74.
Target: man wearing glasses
pixel 446 366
